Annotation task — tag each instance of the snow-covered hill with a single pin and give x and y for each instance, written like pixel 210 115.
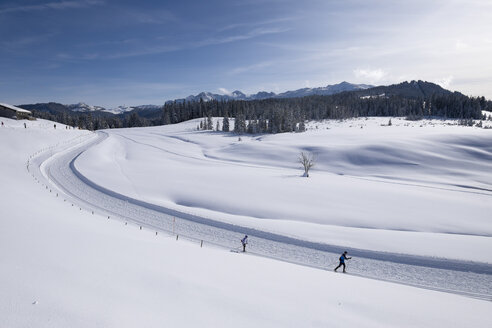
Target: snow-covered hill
pixel 404 188
pixel 63 266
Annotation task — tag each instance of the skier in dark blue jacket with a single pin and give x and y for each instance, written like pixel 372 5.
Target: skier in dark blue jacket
pixel 342 261
pixel 244 242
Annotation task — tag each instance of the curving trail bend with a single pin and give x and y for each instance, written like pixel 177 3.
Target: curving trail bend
pixel 57 168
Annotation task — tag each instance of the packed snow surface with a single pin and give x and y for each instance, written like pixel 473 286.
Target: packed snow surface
pixel 421 188
pixel 63 266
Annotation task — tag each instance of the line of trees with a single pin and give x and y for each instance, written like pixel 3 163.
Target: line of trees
pixel 285 115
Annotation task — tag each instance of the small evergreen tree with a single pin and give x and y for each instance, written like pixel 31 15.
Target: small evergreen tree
pixel 240 124
pixel 225 124
pixel 302 126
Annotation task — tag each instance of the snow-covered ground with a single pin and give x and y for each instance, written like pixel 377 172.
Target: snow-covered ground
pixel 421 188
pixel 62 266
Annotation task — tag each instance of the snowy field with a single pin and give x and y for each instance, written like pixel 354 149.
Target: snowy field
pixel 421 188
pixel 62 266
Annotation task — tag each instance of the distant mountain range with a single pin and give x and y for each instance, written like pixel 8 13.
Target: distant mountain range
pixel 238 95
pixel 406 89
pixel 208 96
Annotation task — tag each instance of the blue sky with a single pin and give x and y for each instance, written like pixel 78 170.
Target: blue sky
pixel 109 53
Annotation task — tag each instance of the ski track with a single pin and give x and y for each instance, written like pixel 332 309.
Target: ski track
pixel 56 167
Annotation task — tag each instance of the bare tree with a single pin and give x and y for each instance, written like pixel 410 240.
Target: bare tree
pixel 307 161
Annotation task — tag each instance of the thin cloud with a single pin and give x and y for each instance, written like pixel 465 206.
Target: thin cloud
pixel 370 75
pixel 258 23
pixel 445 82
pixel 142 51
pixel 155 17
pixel 239 37
pixel 53 6
pixel 242 69
pixel 285 64
pixel 26 41
pixel 224 91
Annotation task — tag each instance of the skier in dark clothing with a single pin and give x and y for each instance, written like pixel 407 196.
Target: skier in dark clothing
pixel 342 261
pixel 244 241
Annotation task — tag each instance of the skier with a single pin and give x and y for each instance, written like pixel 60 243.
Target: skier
pixel 342 261
pixel 244 241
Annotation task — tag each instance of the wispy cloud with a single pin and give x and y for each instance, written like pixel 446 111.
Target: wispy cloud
pixel 59 5
pixel 370 75
pixel 311 60
pixel 23 42
pixel 247 68
pixel 224 91
pixel 152 17
pixel 445 82
pixel 259 23
pixel 157 49
pixel 239 37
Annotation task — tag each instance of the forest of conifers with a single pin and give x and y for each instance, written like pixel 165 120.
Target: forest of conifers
pixel 413 100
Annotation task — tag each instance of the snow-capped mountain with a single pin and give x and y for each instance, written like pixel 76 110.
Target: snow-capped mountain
pixel 83 107
pixel 119 109
pixel 238 95
pixel 146 107
pixel 328 90
pixel 206 96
